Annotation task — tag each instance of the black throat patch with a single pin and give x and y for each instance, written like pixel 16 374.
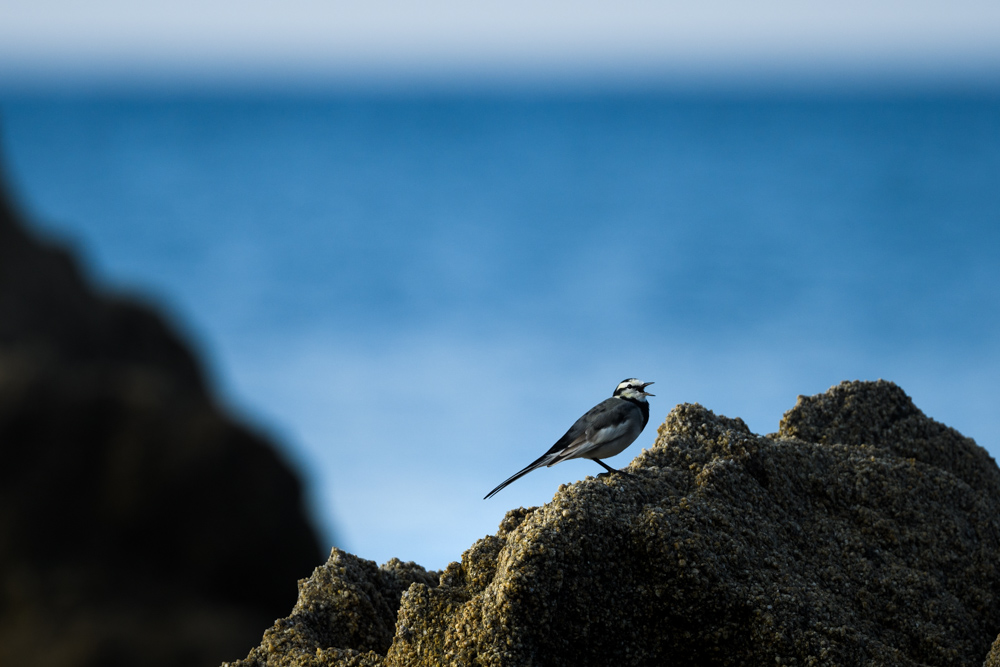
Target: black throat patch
pixel 643 407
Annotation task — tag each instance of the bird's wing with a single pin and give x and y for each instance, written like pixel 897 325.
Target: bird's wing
pixel 606 421
pixel 603 423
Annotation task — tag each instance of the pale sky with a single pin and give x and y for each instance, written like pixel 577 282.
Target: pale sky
pixel 520 37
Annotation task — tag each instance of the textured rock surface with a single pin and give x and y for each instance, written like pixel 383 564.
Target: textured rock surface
pixel 139 525
pixel 346 614
pixel 863 533
pixel 993 659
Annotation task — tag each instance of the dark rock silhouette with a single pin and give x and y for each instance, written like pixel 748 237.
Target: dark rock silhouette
pixel 862 533
pixel 139 525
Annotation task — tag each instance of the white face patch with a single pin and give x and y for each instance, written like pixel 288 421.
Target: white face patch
pixel 631 383
pixel 633 394
pixel 631 388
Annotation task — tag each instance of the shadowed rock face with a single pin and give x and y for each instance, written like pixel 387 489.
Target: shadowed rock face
pixel 862 533
pixel 139 525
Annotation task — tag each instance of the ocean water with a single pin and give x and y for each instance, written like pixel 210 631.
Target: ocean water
pixel 418 293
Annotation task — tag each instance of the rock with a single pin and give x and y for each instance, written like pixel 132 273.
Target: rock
pixel 346 613
pixel 862 533
pixel 882 415
pixel 139 524
pixel 993 659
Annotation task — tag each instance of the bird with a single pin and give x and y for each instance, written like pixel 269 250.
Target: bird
pixel 604 430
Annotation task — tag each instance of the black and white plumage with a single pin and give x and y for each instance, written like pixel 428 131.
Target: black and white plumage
pixel 607 429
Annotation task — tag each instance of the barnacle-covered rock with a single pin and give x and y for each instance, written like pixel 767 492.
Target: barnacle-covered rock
pixel 993 658
pixel 345 614
pixel 862 532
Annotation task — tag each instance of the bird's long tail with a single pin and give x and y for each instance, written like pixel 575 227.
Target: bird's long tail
pixel 541 461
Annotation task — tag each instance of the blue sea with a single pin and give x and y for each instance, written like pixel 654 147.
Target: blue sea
pixel 417 293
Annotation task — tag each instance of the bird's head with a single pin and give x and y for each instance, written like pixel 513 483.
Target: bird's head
pixel 632 388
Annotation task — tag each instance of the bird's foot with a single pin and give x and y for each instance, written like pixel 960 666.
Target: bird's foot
pixel 611 470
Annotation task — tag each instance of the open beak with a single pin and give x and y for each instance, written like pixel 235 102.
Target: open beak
pixel 644 385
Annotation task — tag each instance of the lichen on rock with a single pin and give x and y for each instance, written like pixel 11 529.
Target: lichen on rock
pixel 862 533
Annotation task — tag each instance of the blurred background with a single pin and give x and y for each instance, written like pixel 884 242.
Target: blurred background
pixel 413 243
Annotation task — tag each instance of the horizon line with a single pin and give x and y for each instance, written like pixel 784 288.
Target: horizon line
pixel 803 77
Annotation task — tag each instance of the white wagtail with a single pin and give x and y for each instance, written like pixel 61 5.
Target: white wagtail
pixel 607 429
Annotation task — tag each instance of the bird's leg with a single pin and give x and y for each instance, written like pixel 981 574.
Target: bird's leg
pixel 610 470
